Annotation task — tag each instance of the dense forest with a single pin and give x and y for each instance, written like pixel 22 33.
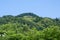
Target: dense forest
pixel 28 26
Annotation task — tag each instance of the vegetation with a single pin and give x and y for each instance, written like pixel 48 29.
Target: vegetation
pixel 28 26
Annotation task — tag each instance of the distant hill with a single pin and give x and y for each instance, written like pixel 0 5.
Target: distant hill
pixel 26 22
pixel 29 19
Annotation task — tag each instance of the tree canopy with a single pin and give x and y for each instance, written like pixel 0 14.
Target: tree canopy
pixel 28 26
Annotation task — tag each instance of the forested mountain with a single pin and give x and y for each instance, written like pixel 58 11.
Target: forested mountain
pixel 28 26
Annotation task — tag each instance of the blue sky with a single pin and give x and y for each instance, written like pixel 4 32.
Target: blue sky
pixel 44 8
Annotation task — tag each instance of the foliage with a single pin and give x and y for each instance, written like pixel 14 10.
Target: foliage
pixel 28 26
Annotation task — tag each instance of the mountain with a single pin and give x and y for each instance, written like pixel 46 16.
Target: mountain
pixel 30 19
pixel 25 23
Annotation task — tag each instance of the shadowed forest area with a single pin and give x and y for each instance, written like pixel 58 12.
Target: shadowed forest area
pixel 28 26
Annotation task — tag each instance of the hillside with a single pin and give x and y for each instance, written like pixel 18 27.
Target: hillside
pixel 28 26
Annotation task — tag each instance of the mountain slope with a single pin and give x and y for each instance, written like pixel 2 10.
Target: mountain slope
pixel 28 26
pixel 30 19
